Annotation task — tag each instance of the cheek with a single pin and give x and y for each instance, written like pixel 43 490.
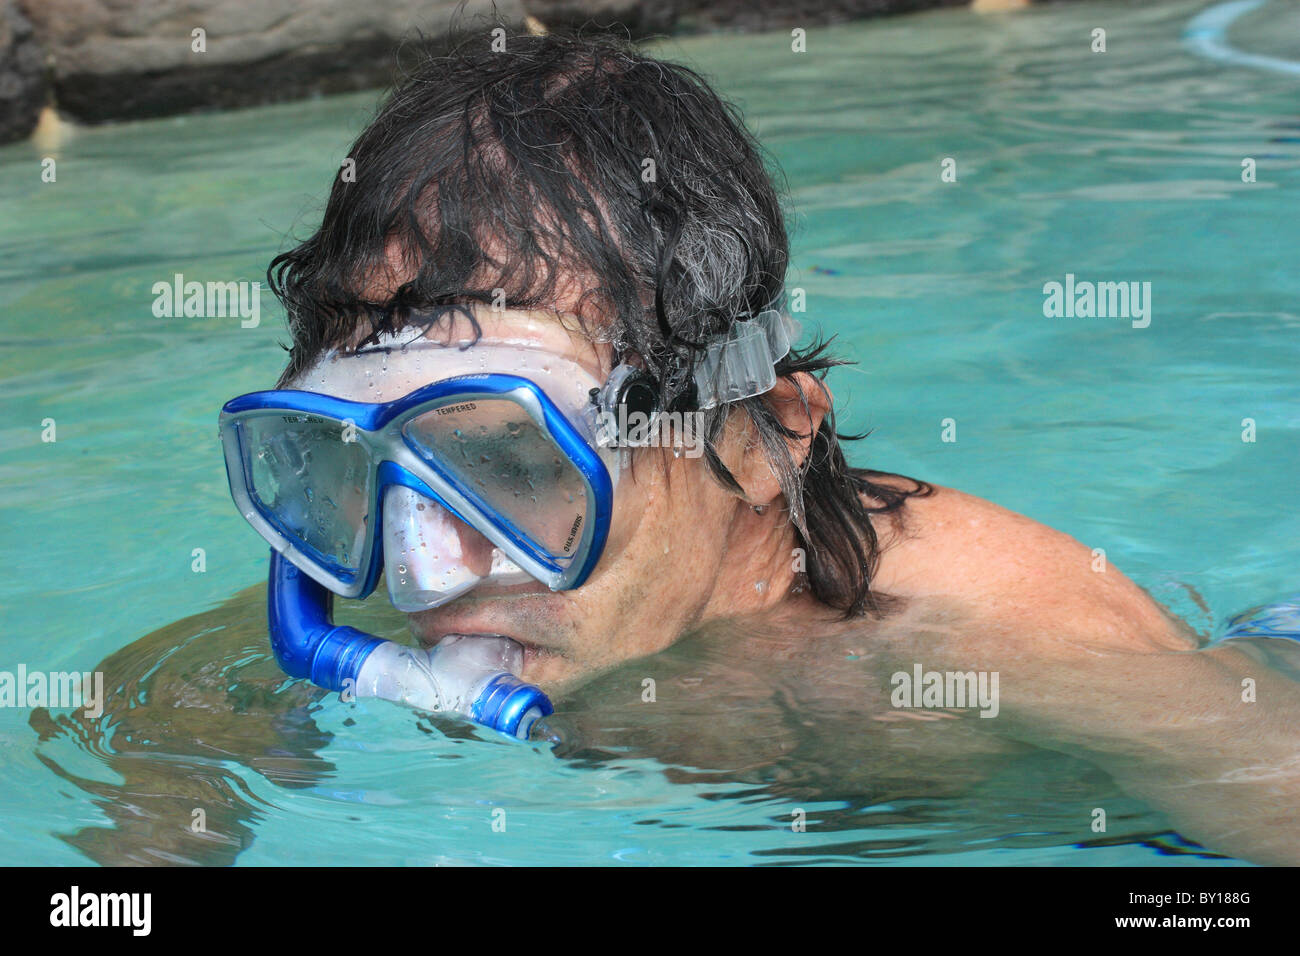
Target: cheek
pixel 633 499
pixel 667 517
pixel 664 542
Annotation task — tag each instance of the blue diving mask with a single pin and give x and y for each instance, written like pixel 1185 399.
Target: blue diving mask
pixel 489 471
pixel 444 464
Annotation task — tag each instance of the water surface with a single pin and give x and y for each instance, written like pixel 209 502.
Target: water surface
pixel 1123 166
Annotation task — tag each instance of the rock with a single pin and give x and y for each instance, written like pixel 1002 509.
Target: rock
pixel 119 59
pixel 781 14
pixel 639 18
pixel 126 59
pixel 23 83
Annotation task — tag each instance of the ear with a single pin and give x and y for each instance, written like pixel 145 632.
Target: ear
pixel 800 402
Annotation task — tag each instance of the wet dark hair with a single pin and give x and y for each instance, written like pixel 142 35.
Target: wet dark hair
pixel 506 165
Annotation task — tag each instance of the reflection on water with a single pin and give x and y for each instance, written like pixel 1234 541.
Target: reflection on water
pixel 198 709
pixel 183 704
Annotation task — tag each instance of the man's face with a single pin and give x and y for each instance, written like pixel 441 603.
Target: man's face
pixel 656 572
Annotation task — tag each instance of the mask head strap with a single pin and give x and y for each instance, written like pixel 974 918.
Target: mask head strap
pixel 742 363
pixel 732 367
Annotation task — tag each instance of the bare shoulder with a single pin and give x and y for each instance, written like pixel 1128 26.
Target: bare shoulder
pixel 955 546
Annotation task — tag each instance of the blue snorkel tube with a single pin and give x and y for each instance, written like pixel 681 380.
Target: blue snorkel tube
pixel 466 676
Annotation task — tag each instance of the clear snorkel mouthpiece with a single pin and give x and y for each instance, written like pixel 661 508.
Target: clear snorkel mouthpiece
pixel 472 677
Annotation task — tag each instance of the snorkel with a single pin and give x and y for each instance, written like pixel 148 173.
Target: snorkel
pixel 470 677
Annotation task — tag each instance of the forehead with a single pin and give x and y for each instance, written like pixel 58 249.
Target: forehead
pixel 551 349
pixel 549 331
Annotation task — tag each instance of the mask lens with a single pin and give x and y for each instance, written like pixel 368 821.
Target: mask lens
pixel 316 485
pixel 497 453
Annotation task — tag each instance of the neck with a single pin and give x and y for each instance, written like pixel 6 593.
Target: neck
pixel 756 571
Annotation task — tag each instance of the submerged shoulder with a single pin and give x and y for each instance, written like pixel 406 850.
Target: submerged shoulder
pixel 954 546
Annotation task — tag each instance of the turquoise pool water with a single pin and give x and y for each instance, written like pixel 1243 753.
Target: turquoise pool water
pixel 1117 166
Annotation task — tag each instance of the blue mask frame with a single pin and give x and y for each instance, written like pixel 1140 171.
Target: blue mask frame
pixel 397 461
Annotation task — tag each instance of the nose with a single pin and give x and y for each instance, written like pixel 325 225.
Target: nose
pixel 430 556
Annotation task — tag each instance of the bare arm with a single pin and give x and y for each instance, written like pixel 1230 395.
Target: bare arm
pixel 1091 666
pixel 1208 737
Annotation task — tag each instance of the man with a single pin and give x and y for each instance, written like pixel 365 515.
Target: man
pixel 575 199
